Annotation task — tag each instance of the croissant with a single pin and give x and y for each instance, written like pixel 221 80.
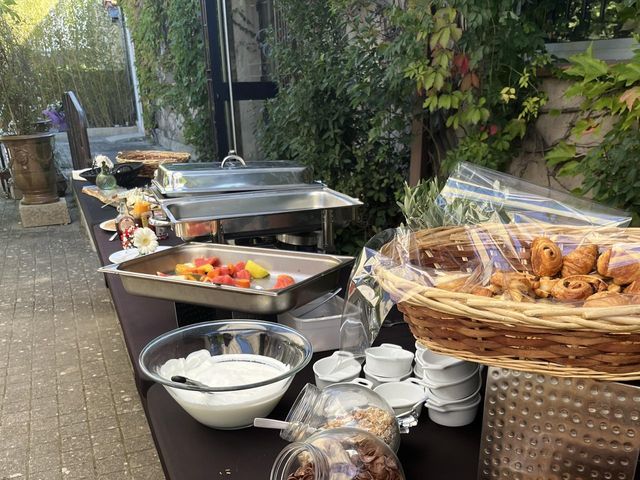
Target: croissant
pixel 622 266
pixel 545 284
pixel 614 288
pixel 454 285
pixel 482 291
pixel 607 299
pixel 546 257
pixel 516 286
pixel 603 262
pixel 633 287
pixel 577 287
pixel 580 261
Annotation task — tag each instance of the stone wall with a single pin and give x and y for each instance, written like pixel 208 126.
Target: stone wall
pixel 553 124
pixel 169 131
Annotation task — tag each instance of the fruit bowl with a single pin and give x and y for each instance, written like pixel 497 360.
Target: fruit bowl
pixel 242 368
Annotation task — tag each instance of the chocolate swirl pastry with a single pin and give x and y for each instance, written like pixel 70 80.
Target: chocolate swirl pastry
pixel 607 299
pixel 577 287
pixel 546 257
pixel 580 261
pixel 622 266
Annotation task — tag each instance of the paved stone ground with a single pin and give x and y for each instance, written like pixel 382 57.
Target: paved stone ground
pixel 68 405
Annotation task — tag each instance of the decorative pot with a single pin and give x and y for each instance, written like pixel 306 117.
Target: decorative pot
pixel 32 167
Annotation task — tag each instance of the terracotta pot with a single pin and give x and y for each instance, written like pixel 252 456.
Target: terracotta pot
pixel 32 167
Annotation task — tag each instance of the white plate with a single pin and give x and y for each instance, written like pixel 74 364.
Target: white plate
pixel 109 225
pixel 129 254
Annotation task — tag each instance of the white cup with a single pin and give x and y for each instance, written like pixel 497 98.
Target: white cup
pixel 340 367
pixel 403 396
pixel 388 360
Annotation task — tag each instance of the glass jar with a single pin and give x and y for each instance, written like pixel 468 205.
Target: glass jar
pixel 338 454
pixel 105 181
pixel 341 405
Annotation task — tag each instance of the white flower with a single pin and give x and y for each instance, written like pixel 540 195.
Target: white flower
pixel 102 158
pixel 145 240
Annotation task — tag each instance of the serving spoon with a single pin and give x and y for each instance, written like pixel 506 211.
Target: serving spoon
pixel 188 381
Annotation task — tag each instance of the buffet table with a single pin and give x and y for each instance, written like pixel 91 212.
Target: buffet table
pixel 188 450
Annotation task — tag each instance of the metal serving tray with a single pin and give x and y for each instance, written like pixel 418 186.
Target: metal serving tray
pixel 314 274
pixel 250 204
pixel 183 179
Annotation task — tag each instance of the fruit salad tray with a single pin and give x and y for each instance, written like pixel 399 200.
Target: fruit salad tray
pixel 253 280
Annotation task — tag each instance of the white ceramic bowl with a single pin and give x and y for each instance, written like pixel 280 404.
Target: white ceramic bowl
pixel 418 371
pixel 457 390
pixel 419 348
pixel 377 379
pixel 442 368
pixel 455 415
pixel 434 399
pixel 337 368
pixel 403 396
pixel 388 360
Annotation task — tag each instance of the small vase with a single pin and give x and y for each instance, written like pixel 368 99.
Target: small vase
pixel 105 181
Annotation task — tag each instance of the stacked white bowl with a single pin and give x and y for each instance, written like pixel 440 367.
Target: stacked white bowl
pixel 453 387
pixel 387 363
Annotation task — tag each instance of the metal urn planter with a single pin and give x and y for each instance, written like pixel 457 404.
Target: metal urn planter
pixel 32 166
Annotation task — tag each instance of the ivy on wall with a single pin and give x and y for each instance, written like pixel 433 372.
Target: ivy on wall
pixel 170 62
pixel 352 75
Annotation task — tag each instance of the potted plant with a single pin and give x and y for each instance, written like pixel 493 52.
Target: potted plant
pixel 30 152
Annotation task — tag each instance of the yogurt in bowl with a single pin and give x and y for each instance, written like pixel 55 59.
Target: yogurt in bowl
pixel 234 408
pixel 240 368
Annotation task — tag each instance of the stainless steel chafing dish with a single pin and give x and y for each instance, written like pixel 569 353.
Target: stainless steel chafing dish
pixel 315 274
pixel 265 198
pixel 184 179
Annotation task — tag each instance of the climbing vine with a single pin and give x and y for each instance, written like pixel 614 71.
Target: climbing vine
pixel 170 62
pixel 354 74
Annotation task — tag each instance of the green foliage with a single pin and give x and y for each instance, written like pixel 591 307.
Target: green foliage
pixel 352 78
pixel 58 43
pixel 18 111
pixel 611 99
pixel 567 20
pixel 344 105
pixel 67 42
pixel 494 80
pixel 423 207
pixel 170 62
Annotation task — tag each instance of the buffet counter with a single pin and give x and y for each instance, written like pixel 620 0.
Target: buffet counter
pixel 191 451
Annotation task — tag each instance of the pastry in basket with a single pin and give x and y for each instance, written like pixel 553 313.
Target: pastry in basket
pixel 514 285
pixel 607 299
pixel 580 261
pixel 621 265
pixel 577 287
pixel 542 287
pixel 546 257
pixel 453 283
pixel 633 287
pixel 482 291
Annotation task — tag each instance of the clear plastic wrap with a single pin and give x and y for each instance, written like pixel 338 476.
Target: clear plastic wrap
pixel 505 239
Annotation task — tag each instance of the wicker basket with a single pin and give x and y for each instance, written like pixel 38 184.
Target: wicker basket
pixel 151 159
pixel 540 337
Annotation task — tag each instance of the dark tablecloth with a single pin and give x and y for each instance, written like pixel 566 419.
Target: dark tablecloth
pixel 192 451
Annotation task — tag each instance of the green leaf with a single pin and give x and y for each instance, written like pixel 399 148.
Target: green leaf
pixel 586 66
pixel 561 153
pixel 569 169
